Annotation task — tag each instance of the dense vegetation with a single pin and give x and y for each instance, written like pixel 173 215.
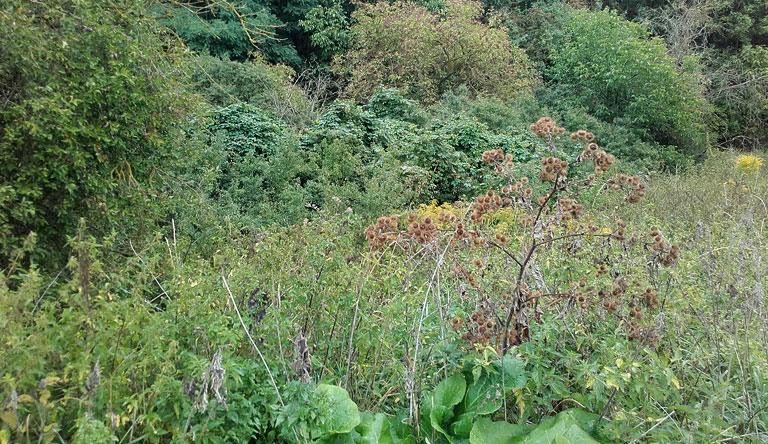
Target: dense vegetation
pixel 442 221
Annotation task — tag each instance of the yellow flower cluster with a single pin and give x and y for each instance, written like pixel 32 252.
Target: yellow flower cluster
pixel 747 163
pixel 433 210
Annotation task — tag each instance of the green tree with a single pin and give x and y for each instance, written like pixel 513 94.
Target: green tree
pixel 330 28
pixel 230 29
pixel 614 69
pixel 428 53
pixel 90 104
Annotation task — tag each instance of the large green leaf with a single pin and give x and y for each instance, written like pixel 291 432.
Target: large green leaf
pixel 398 431
pixel 440 419
pixel 463 424
pixel 485 395
pixel 449 392
pixel 568 426
pixel 485 431
pixel 515 375
pixel 437 408
pixel 372 428
pixel 337 438
pixel 340 413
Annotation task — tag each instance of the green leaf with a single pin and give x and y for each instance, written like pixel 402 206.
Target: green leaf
pixel 340 414
pixel 338 438
pixel 486 393
pixel 515 376
pixel 567 426
pixel 485 431
pixel 372 428
pixel 437 409
pixel 463 425
pixel 450 391
pixel 398 431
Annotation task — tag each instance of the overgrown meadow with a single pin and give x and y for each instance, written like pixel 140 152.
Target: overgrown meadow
pixel 429 222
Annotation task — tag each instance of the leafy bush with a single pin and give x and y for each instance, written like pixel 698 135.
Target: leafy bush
pixel 429 53
pixel 614 70
pixel 269 87
pixel 86 123
pixel 740 84
pixel 329 25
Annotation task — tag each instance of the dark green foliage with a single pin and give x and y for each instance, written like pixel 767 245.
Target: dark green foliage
pixel 230 29
pixel 741 104
pixel 390 103
pixel 248 130
pixel 345 160
pixel 258 176
pixel 89 115
pixel 329 27
pixel 740 23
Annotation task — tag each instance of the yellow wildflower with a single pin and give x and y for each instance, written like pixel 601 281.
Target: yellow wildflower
pixel 747 163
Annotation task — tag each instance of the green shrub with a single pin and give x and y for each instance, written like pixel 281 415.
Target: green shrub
pixel 269 87
pixel 92 104
pixel 258 179
pixel 428 53
pixel 741 101
pixel 613 69
pixel 329 27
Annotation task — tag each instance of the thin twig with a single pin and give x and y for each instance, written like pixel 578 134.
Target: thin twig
pixel 652 428
pixel 37 303
pixel 150 271
pixel 255 347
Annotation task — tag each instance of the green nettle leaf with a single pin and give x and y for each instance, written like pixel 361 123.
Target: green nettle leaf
pixel 485 431
pixel 569 426
pixel 341 414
